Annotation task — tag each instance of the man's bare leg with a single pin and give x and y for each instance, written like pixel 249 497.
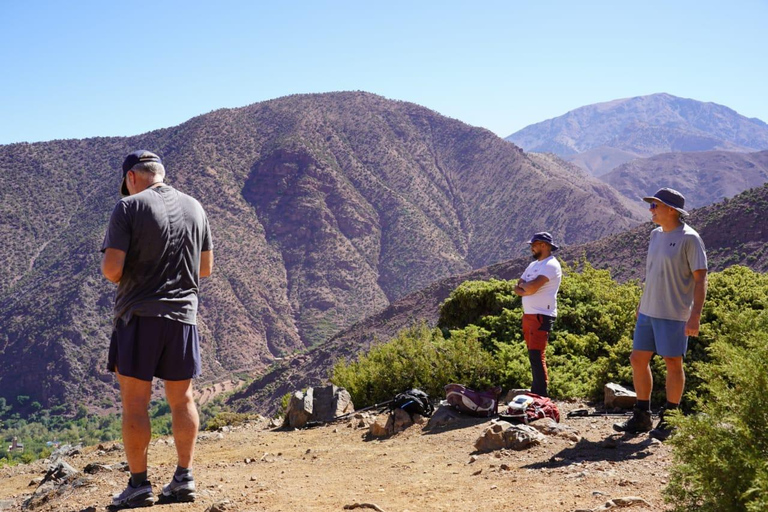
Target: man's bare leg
pixel 137 430
pixel 675 379
pixel 642 378
pixel 185 420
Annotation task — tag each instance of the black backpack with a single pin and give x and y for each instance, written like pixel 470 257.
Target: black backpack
pixel 413 401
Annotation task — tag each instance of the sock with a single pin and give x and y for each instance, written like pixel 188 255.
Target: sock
pixel 670 406
pixel 181 473
pixel 643 405
pixel 138 478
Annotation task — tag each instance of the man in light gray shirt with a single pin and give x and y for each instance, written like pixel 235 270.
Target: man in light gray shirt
pixel 670 308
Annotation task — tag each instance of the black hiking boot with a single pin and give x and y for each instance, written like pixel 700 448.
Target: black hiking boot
pixel 663 430
pixel 639 422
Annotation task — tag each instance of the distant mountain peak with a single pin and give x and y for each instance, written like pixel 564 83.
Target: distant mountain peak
pixel 601 136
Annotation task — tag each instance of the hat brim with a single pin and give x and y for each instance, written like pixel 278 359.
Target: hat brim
pixel 651 199
pixel 553 246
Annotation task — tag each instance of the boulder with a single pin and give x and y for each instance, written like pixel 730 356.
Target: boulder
pixel 550 427
pixel 331 402
pixel 502 434
pixel 402 421
pixel 443 416
pixel 617 396
pixel 382 426
pixel 299 409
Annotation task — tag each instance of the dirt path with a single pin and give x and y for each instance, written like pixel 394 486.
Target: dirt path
pixel 326 468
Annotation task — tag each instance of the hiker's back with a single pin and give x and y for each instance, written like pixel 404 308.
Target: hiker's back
pixel 165 232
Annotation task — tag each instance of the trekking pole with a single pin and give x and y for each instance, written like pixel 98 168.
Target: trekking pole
pixel 586 413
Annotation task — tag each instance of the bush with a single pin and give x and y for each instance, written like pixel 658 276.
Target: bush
pixel 721 453
pixel 418 357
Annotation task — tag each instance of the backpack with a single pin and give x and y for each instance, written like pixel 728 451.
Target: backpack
pixel 476 403
pixel 413 401
pixel 529 407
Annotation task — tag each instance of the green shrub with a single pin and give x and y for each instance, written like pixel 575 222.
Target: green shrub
pixel 721 453
pixel 417 357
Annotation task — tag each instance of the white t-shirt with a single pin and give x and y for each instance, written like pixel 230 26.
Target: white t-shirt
pixel 544 301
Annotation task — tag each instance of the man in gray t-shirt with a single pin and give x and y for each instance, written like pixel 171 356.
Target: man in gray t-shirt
pixel 157 247
pixel 669 310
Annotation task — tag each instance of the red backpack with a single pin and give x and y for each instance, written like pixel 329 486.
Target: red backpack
pixel 534 407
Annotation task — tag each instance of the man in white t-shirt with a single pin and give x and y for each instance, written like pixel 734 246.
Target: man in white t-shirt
pixel 538 287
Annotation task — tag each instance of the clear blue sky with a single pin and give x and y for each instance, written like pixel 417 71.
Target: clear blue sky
pixel 94 68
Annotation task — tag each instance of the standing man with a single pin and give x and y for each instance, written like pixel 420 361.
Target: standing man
pixel 538 287
pixel 157 246
pixel 670 308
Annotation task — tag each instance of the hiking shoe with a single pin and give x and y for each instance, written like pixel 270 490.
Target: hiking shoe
pixel 134 497
pixel 180 490
pixel 639 422
pixel 663 430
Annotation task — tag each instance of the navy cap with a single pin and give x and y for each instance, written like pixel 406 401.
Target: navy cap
pixel 544 237
pixel 137 157
pixel 669 197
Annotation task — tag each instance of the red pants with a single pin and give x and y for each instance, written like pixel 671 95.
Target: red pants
pixel 536 334
pixel 536 331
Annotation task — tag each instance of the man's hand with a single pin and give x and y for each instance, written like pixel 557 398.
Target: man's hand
pixel 692 325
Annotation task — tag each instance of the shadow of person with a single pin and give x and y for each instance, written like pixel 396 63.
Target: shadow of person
pixel 617 447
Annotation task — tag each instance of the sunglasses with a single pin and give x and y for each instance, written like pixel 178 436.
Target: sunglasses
pixel 653 206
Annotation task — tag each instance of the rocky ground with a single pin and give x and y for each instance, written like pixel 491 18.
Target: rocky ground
pixel 337 466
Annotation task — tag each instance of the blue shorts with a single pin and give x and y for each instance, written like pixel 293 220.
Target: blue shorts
pixel 150 347
pixel 665 337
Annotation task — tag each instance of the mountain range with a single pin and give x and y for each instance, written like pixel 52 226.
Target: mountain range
pixel 324 209
pixel 602 136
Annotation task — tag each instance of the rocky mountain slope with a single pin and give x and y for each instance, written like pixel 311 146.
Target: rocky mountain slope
pixel 703 178
pixel 603 136
pixel 324 209
pixel 734 232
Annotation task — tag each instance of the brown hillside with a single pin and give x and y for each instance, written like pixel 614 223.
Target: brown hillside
pixel 324 208
pixel 734 232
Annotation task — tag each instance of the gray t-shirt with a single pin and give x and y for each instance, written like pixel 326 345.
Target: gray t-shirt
pixel 162 232
pixel 673 256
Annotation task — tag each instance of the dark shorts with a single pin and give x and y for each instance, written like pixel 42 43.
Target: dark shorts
pixel 536 330
pixel 150 347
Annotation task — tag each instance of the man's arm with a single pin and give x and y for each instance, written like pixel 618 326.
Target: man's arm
pixel 525 288
pixel 206 263
pixel 699 294
pixel 112 264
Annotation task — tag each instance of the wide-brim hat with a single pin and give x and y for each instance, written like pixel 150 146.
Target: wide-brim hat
pixel 669 197
pixel 137 157
pixel 544 237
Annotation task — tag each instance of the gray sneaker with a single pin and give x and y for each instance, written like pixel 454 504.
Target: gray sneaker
pixel 134 497
pixel 180 490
